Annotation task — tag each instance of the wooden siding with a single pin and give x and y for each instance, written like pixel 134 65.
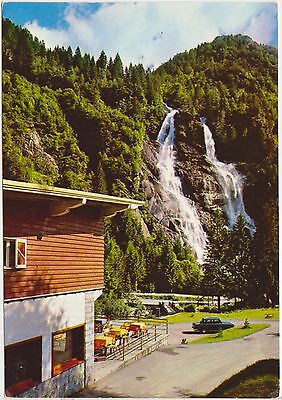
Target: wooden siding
pixel 69 257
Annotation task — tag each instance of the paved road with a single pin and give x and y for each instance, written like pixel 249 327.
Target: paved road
pixel 187 370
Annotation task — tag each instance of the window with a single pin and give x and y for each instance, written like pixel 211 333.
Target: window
pixel 14 253
pixel 68 349
pixel 22 366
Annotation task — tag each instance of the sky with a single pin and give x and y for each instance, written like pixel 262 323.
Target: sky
pixel 147 32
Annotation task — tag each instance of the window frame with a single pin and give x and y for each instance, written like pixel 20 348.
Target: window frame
pixel 66 367
pixel 16 387
pixel 7 242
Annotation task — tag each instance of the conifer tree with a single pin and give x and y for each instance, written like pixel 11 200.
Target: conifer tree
pixel 102 60
pixel 266 254
pixel 117 68
pixel 215 277
pixel 100 184
pixel 114 268
pixel 24 53
pixel 77 58
pixel 93 68
pixel 240 264
pixel 135 265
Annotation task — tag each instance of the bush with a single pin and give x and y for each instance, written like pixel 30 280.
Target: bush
pixel 137 305
pixel 207 309
pixel 214 310
pixel 190 308
pixel 112 308
pixel 227 307
pixel 246 324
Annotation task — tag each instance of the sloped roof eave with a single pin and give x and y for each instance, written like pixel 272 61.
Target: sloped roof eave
pixel 63 194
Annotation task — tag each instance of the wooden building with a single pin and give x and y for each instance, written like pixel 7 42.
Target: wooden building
pixel 53 256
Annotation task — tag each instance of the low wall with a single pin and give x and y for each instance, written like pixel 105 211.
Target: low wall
pixel 153 346
pixel 63 385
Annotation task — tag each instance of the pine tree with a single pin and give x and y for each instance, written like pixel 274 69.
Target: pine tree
pixel 93 68
pixel 100 183
pixel 117 68
pixel 24 53
pixel 266 254
pixel 240 265
pixel 135 265
pixel 110 67
pixel 216 278
pixel 114 267
pixel 77 58
pixel 102 61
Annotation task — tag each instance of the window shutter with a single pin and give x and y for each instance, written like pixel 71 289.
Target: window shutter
pixel 21 250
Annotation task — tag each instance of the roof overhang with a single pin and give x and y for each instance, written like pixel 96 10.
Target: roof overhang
pixel 61 200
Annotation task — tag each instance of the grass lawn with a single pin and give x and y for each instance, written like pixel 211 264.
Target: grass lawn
pixel 230 334
pixel 260 380
pixel 250 314
pixel 261 386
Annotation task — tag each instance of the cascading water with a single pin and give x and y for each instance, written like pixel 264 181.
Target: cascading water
pixel 231 183
pixel 181 209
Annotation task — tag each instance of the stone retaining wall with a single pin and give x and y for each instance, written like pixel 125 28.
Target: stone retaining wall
pixel 62 385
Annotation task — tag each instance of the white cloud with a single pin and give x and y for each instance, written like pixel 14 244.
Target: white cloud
pixel 152 32
pixel 261 27
pixel 51 37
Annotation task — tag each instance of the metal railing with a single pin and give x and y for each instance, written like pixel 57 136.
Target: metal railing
pixel 155 329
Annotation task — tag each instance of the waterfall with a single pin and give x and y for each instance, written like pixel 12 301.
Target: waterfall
pixel 182 211
pixel 230 181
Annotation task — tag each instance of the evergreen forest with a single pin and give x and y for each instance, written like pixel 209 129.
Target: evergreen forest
pixel 70 120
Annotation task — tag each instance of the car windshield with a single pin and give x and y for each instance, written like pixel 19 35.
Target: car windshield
pixel 211 320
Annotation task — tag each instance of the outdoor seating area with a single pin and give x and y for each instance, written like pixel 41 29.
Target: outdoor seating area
pixel 114 338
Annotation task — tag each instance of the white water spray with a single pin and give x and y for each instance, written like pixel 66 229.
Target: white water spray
pixel 231 183
pixel 182 211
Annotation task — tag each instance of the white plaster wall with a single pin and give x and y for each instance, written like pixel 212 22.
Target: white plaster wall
pixel 40 317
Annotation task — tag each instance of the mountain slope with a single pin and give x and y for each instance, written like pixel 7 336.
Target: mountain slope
pixel 72 121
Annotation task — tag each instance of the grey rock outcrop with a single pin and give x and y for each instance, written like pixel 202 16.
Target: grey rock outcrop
pixel 198 183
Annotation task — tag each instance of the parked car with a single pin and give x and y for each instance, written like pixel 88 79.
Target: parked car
pixel 211 324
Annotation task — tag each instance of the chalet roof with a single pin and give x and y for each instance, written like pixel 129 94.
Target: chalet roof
pixel 61 200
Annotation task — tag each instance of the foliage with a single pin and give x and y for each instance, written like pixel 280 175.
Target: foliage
pixel 71 121
pixel 38 144
pixel 215 266
pixel 246 324
pixel 259 380
pixel 112 307
pixel 142 261
pixel 230 334
pixel 190 308
pixel 232 267
pixel 233 82
pixel 137 305
pixel 237 315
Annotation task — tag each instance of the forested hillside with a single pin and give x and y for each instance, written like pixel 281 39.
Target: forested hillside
pixel 72 121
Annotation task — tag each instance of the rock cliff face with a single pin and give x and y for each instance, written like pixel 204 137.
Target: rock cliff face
pixel 33 147
pixel 151 184
pixel 197 179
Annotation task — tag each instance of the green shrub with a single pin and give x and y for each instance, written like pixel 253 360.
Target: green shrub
pixel 112 308
pixel 246 324
pixel 190 308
